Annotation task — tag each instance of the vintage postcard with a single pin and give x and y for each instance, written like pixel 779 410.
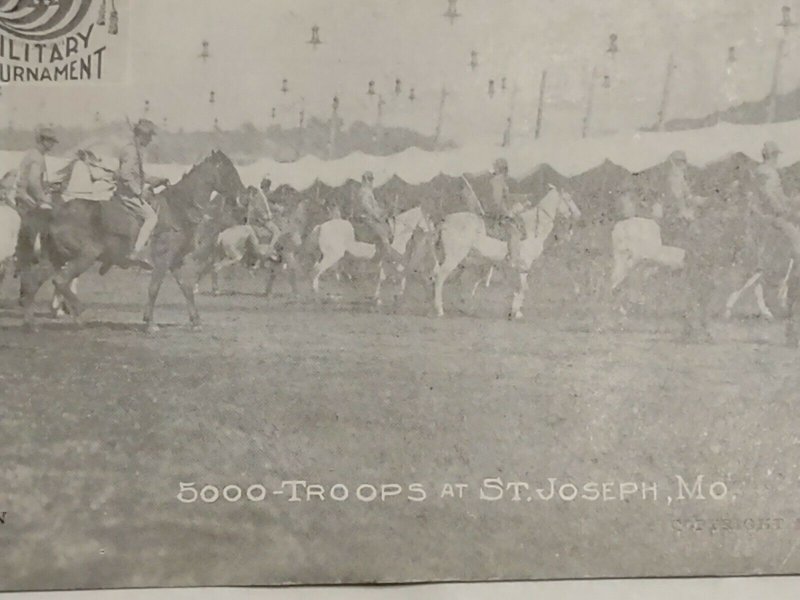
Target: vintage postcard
pixel 358 291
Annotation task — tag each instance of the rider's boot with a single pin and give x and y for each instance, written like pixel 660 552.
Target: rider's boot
pixel 140 258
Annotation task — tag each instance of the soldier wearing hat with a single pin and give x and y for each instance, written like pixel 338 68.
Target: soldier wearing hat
pixel 503 210
pixel 680 202
pixel 134 188
pixel 260 216
pixel 773 199
pixel 32 191
pixel 374 214
pixel 783 212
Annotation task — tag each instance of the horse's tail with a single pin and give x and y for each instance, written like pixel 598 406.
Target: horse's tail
pixel 310 246
pixel 438 246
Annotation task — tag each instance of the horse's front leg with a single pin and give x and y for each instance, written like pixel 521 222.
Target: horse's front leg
pixel 185 282
pixel 518 300
pixel 293 270
pixel 381 279
pixel 156 279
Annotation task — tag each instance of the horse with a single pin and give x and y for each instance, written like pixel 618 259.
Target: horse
pixel 80 233
pixel 638 239
pixel 9 231
pixel 239 243
pixel 233 246
pixel 336 237
pixel 464 232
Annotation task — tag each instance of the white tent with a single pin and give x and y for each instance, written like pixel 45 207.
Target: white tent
pixel 635 152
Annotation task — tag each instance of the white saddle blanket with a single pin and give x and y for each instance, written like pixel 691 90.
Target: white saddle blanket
pixel 88 183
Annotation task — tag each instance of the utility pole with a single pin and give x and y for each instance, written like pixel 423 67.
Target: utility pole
pixel 540 110
pixel 334 128
pixel 587 118
pixel 662 111
pixel 379 124
pixel 772 111
pixel 510 119
pixel 440 116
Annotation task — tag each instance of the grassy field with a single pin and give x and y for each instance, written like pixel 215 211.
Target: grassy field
pixel 100 424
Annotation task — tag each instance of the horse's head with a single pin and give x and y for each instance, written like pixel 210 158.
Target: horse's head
pixel 565 206
pixel 225 177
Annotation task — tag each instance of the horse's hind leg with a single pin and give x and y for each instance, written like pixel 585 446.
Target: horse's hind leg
pixel 763 309
pixel 64 279
pixel 326 262
pixel 442 273
pixel 733 299
pixel 31 280
pixel 187 287
pixel 58 305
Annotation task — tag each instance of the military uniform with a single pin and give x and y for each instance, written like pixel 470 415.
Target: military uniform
pixel 372 213
pixel 132 190
pixel 31 193
pixel 31 188
pixel 501 213
pixel 259 217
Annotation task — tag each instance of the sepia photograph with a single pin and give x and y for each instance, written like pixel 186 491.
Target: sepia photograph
pixel 326 292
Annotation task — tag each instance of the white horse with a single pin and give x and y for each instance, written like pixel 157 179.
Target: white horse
pixel 9 232
pixel 337 238
pixel 465 232
pixel 638 239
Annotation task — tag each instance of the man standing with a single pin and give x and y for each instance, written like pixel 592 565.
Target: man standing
pixel 772 203
pixel 134 188
pixel 504 211
pixel 375 215
pixel 31 192
pixel 686 226
pixel 679 203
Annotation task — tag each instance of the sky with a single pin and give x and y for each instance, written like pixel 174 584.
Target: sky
pixel 254 44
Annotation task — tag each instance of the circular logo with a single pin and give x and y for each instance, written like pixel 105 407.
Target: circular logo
pixel 42 20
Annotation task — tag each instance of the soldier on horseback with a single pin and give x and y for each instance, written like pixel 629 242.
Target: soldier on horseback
pixel 504 211
pixel 375 215
pixel 261 218
pixel 134 188
pixel 32 192
pixel 771 198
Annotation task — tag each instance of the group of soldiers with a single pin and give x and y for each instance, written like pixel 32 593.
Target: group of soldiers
pixel 676 207
pixel 132 187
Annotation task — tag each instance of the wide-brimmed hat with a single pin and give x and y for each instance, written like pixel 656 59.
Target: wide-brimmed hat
pixel 145 127
pixel 46 133
pixel 770 148
pixel 678 156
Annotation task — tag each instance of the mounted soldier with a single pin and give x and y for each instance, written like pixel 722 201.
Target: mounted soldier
pixel 375 215
pixel 503 210
pixel 260 215
pixel 135 189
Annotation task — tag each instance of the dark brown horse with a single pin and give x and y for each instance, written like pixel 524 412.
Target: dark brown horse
pixel 81 233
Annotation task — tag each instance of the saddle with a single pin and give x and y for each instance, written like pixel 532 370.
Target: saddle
pixel 364 231
pixel 116 219
pixel 497 226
